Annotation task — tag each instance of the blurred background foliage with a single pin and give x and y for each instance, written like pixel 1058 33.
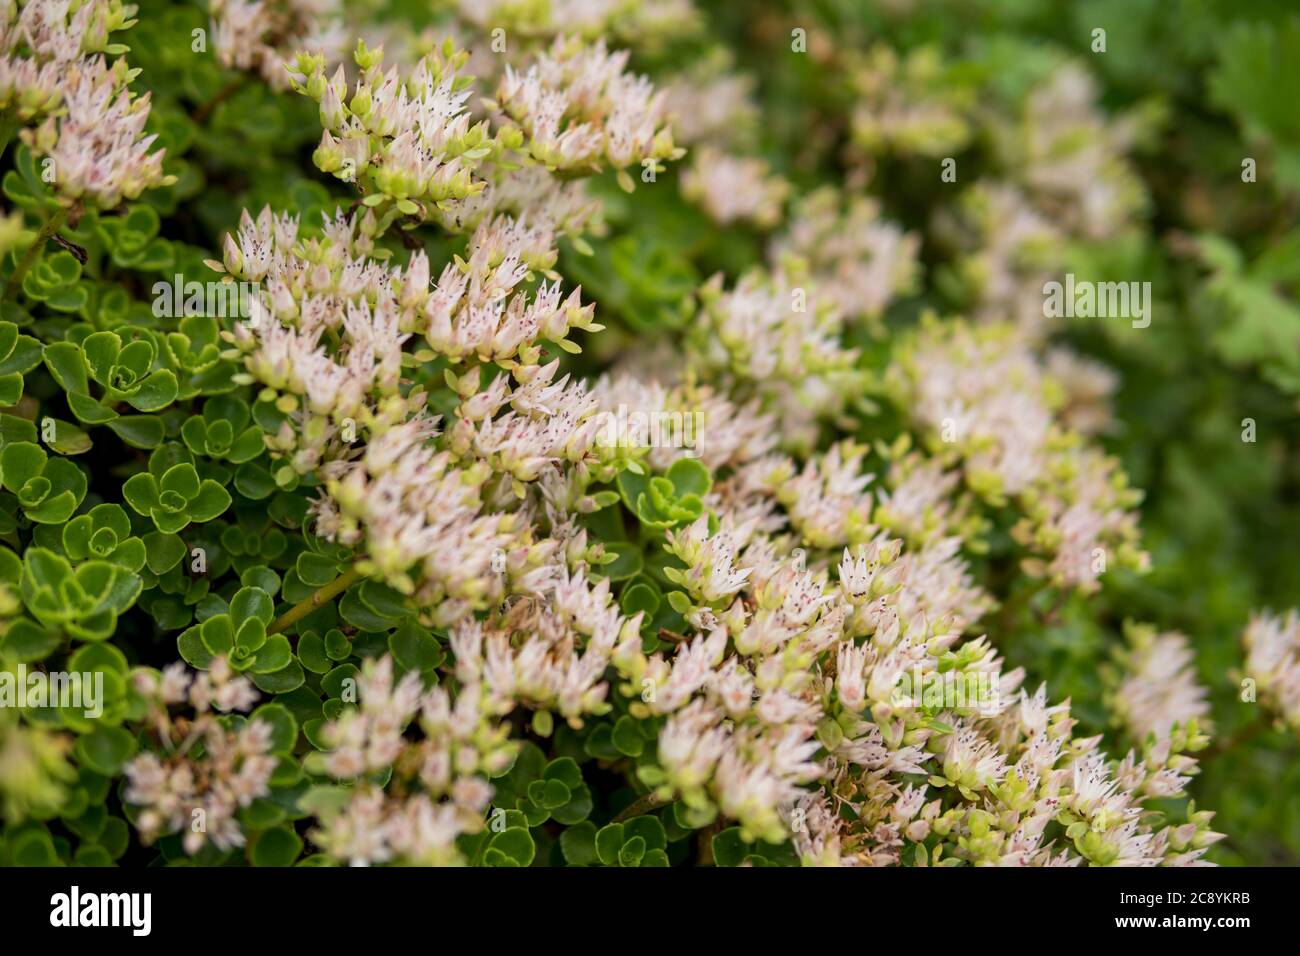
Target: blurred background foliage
pixel 1221 516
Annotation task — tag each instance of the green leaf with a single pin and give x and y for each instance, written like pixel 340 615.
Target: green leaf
pixel 100 350
pixel 253 481
pixel 689 477
pixel 516 844
pixel 182 480
pixel 156 392
pixel 609 840
pixel 627 738
pixel 631 852
pixel 211 501
pixel 577 809
pixel 337 645
pixel 105 749
pixel 193 650
pixel 728 847
pixel 679 601
pixel 247 446
pixel 19 463
pixel 141 493
pixel 627 561
pixel 11 389
pixel 640 596
pixel 284 729
pixel 311 652
pixel 278 846
pixel 383 600
pixel 1258 77
pixel 316 569
pixel 415 648
pixel 600 744
pixel 68 438
pixel 649 829
pixel 33 848
pixel 252 602
pixel 163 551
pixel 68 366
pixel 87 410
pixel 578 844
pixel 250 637
pixel 260 576
pixel 565 770
pixel 218 634
pixel 26 641
pixel 139 431
pixel 361 616
pixel 554 794
pixel 275 655
pixel 282 681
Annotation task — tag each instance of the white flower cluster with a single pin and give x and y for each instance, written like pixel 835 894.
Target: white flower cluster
pixel 982 399
pixel 578 110
pixel 711 105
pixel 1006 249
pixel 1272 643
pixel 859 261
pixel 261 35
pixel 789 660
pixel 906 104
pixel 199 791
pixel 639 21
pixel 1071 158
pixel 40 41
pixel 411 491
pixel 54 69
pixel 409 140
pixel 445 772
pixel 733 189
pixel 776 337
pixel 1158 693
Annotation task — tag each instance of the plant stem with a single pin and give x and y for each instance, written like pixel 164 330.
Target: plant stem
pixel 641 805
pixel 330 591
pixel 704 846
pixel 72 247
pixel 48 229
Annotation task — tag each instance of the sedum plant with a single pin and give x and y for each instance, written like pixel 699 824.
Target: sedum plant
pixel 475 439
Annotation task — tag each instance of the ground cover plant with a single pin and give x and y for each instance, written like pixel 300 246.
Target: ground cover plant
pixel 602 433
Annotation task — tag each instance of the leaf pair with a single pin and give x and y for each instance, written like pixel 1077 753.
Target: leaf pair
pixel 84 601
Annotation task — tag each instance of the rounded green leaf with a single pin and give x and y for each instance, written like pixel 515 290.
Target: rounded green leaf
pixel 284 728
pixel 578 844
pixel 210 501
pixel 105 749
pixel 278 846
pixel 516 844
